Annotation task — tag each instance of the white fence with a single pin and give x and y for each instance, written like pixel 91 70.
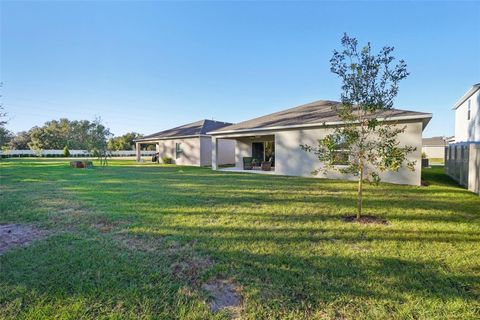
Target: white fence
pixel 73 153
pixel 462 163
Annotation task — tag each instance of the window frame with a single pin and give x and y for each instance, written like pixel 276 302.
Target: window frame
pixel 338 163
pixel 178 149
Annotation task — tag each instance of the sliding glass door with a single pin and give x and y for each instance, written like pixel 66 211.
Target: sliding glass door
pixel 264 151
pixel 258 151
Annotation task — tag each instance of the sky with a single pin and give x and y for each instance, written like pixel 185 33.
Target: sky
pixel 146 66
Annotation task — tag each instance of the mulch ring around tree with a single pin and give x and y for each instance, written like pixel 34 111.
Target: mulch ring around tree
pixel 16 235
pixel 366 219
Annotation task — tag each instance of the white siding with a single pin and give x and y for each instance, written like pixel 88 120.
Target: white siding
pixel 468 130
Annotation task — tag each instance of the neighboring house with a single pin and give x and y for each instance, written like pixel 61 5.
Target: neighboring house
pixel 189 144
pixel 434 147
pixel 467 116
pixel 463 155
pixel 278 137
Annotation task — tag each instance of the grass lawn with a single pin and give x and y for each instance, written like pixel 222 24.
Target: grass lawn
pixel 139 240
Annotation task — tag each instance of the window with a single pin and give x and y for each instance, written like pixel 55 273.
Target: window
pixel 340 158
pixel 340 155
pixel 469 109
pixel 178 150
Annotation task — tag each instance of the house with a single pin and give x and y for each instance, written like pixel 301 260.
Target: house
pixel 467 116
pixel 463 155
pixel 277 137
pixel 434 147
pixel 190 144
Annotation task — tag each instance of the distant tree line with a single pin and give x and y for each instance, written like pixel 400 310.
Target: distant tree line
pixel 74 135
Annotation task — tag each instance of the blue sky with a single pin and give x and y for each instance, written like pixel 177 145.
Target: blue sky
pixel 148 66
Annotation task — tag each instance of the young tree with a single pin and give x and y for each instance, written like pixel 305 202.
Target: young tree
pixel 98 136
pixel 367 142
pixel 66 152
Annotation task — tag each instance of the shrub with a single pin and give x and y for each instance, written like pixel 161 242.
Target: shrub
pixel 66 152
pixel 166 160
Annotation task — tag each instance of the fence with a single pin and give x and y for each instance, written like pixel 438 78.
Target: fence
pixel 462 163
pixel 73 153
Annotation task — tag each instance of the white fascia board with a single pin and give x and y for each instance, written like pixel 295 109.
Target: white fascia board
pixel 467 95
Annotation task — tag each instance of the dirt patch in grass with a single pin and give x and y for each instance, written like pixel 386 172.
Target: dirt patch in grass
pixel 105 226
pixel 16 235
pixel 224 295
pixel 190 268
pixel 366 220
pixel 148 244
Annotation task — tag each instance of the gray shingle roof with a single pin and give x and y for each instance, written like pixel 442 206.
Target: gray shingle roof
pixel 317 112
pixel 191 129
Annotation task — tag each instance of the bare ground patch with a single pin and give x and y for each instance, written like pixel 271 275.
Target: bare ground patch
pixel 224 295
pixel 16 235
pixel 188 265
pixel 366 219
pixel 105 226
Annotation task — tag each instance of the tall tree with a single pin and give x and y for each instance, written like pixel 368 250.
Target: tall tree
pixel 367 143
pixel 57 134
pixel 124 142
pixel 20 141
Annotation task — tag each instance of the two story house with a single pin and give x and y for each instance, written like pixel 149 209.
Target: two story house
pixel 462 158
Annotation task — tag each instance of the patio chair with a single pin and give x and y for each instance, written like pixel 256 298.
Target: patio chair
pixel 247 163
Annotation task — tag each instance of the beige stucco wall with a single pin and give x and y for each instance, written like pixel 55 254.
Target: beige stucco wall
pixel 197 151
pixel 226 151
pixel 434 152
pixel 205 151
pixel 189 156
pixel 291 160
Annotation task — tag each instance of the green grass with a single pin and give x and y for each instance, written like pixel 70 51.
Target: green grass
pixel 137 241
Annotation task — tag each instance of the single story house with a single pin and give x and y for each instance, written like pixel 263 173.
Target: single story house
pixel 278 136
pixel 434 147
pixel 190 144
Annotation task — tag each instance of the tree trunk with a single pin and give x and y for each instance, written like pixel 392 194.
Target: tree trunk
pixel 360 193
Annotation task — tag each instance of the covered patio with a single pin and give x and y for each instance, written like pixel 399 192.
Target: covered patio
pixel 253 153
pixel 138 148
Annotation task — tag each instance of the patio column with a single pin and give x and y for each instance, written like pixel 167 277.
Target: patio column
pixel 137 149
pixel 214 153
